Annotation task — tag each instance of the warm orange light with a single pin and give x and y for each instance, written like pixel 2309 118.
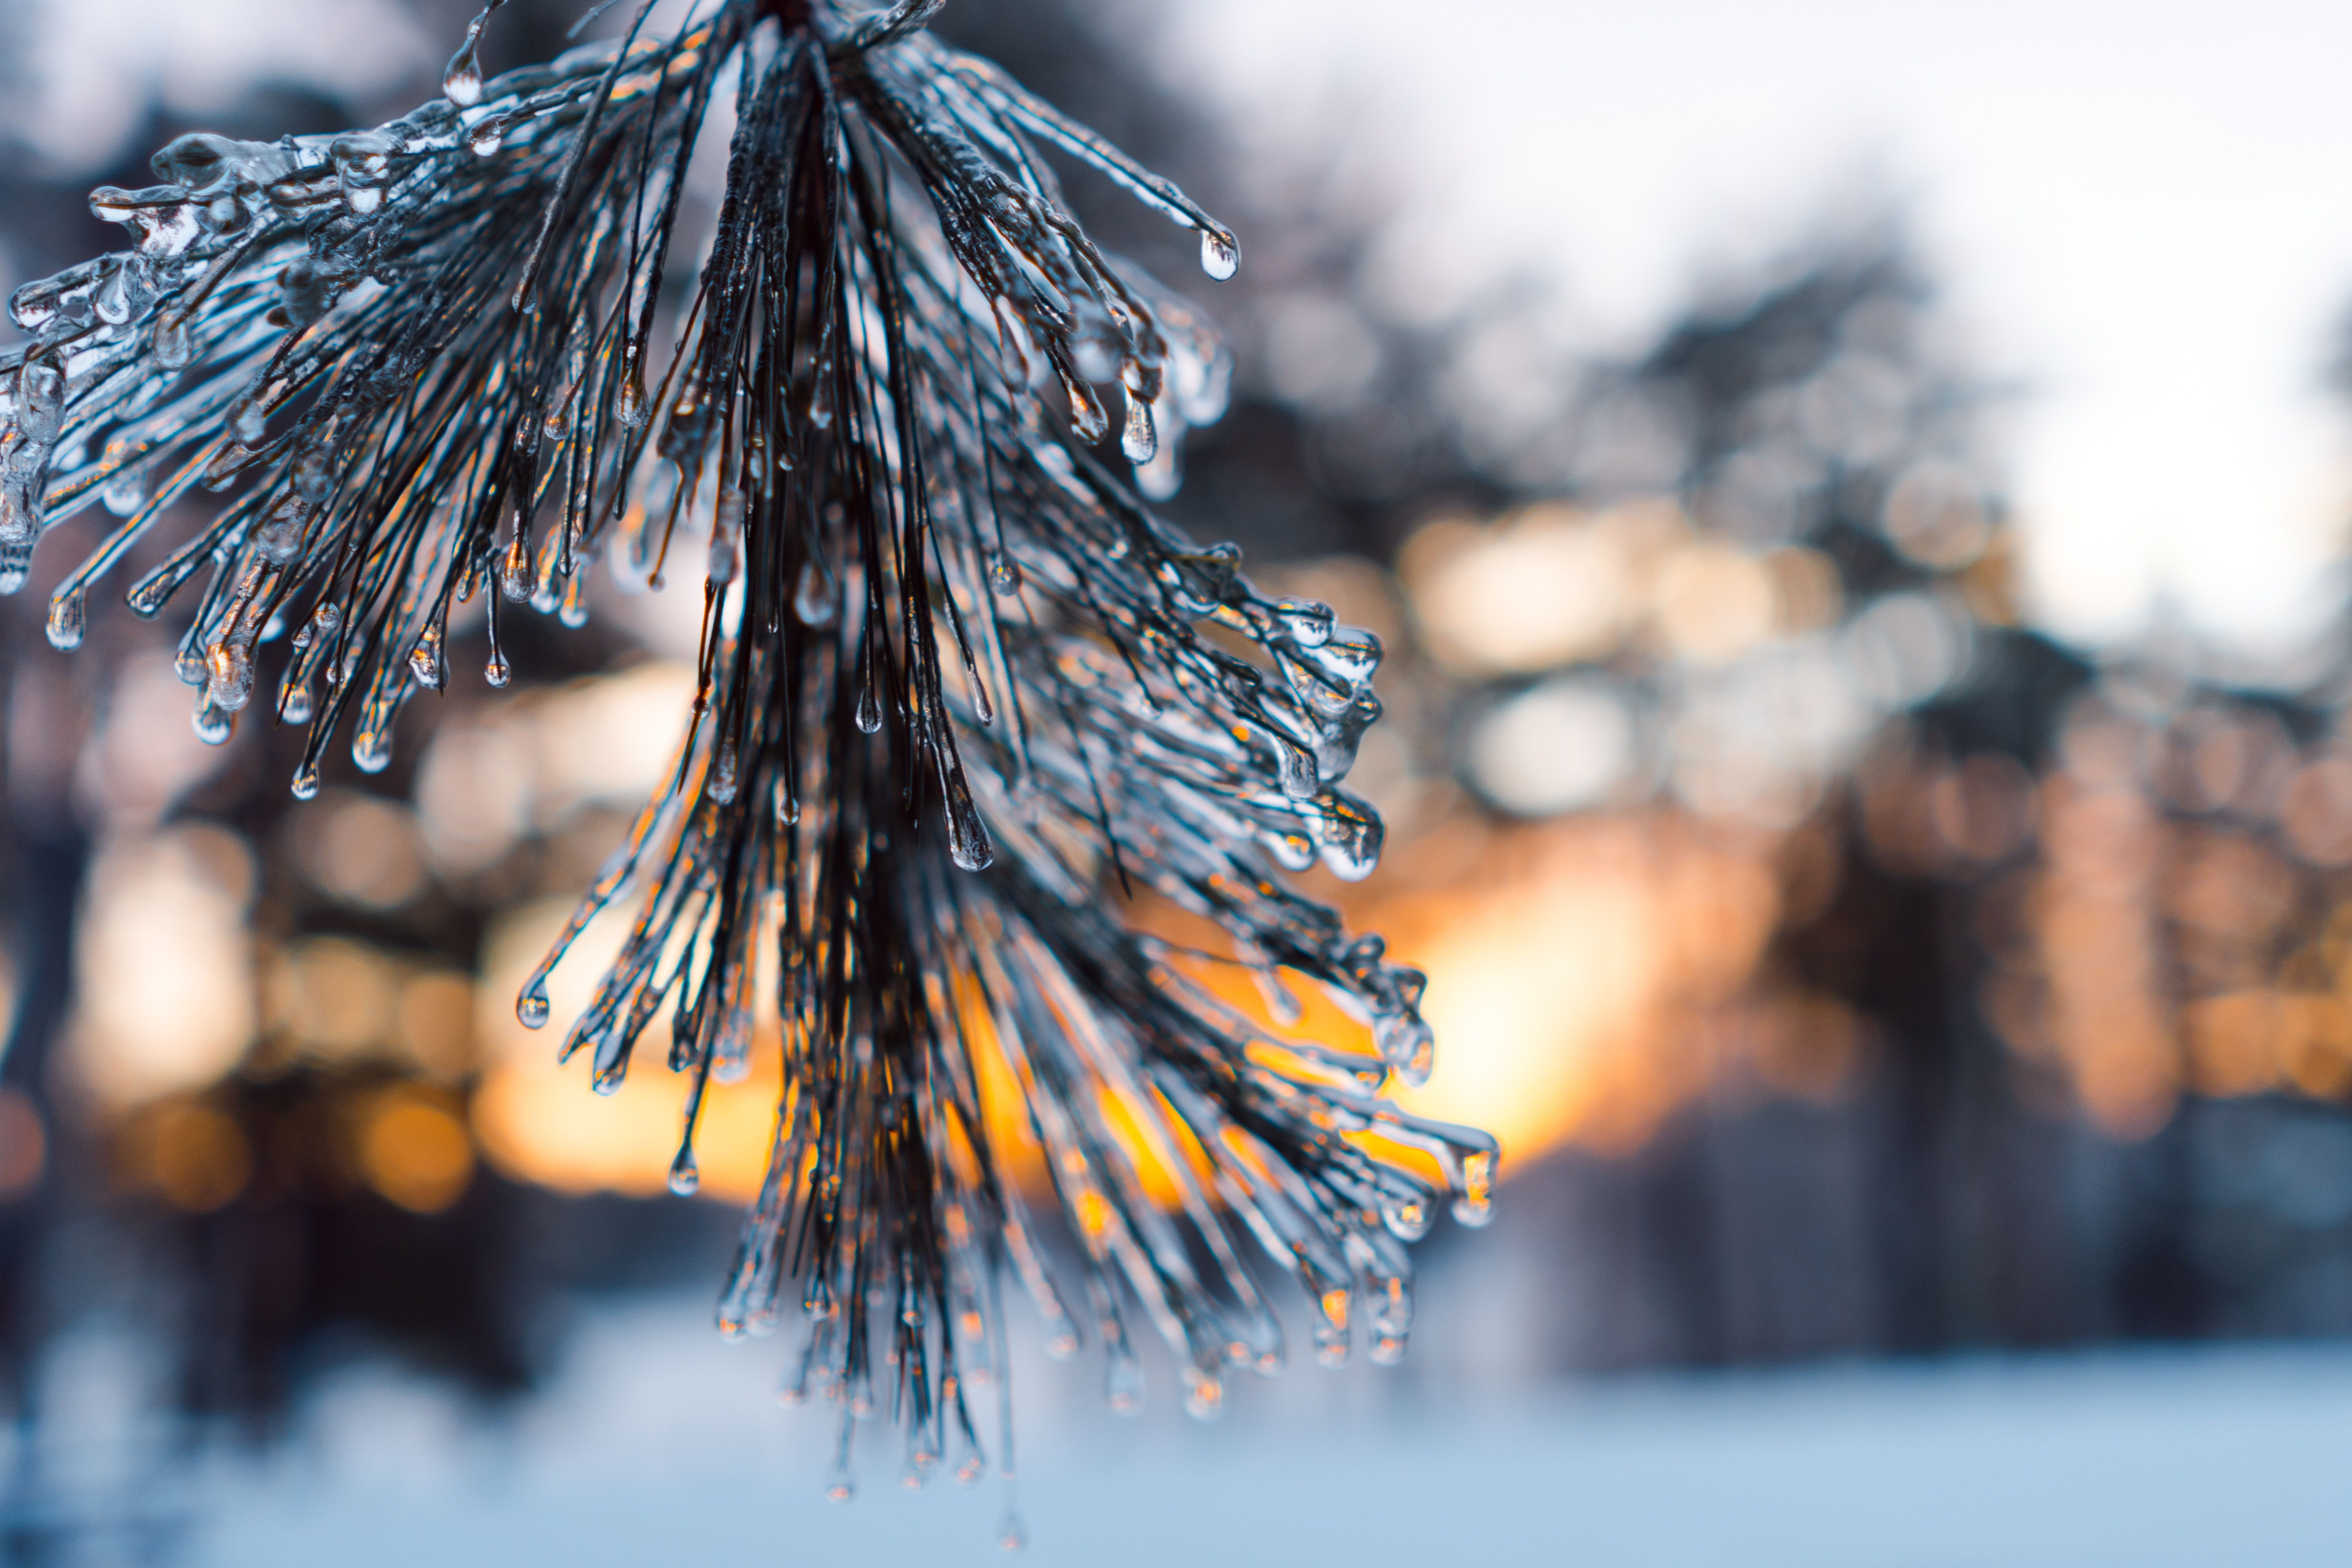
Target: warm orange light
pixel 1575 973
pixel 413 1149
pixel 24 1145
pixel 193 1155
pixel 540 1123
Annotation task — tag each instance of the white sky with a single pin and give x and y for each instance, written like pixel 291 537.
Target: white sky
pixel 2140 210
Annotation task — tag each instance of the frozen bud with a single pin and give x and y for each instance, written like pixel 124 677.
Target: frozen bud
pixel 64 296
pixel 171 345
pixel 224 214
pixel 127 294
pixel 314 473
pixel 362 157
pixel 309 286
pixel 199 160
pixel 40 399
pixel 280 538
pixel 204 162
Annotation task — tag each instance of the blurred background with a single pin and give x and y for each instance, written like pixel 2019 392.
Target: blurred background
pixel 1854 496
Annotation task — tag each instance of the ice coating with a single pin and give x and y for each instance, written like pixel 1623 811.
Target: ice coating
pixel 957 682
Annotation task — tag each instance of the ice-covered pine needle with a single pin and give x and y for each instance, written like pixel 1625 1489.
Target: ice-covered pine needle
pixel 956 681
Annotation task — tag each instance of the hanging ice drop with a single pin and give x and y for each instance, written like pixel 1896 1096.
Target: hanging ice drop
pixel 1221 255
pixel 461 83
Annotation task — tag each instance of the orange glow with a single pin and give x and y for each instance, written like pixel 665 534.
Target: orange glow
pixel 194 1156
pixel 1145 1136
pixel 1564 964
pixel 2316 1046
pixel 168 910
pixel 413 1149
pixel 1012 1143
pixel 24 1146
pixel 1809 1046
pixel 1583 976
pixel 2097 943
pixel 540 1123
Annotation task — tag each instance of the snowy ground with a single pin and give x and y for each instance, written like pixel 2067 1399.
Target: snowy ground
pixel 659 1446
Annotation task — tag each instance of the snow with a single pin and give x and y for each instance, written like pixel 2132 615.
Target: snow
pixel 660 1444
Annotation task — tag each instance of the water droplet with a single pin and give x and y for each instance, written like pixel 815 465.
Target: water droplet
pixel 531 1006
pixel 571 610
pixel 1304 621
pixel 1332 1334
pixel 1408 1220
pixel 1475 1204
pixel 66 619
pixel 1003 575
pixel 228 674
pixel 842 1485
pixel 1299 779
pixel 488 136
pixel 1221 254
pixel 212 722
pixel 308 286
pixel 424 660
pixel 46 299
pixel 306 782
pixel 1141 439
pixel 1086 415
pixel 372 751
pixel 815 601
pixel 461 81
pixel 224 214
pixel 967 840
pixel 1122 1381
pixel 1011 1534
pixel 294 704
pixel 280 538
pixel 20 520
pixel 126 294
pixel 125 493
pixel 629 402
pixel 514 570
pixel 869 706
pixel 685 1176
pixel 1291 851
pixel 40 399
pixel 361 157
pixel 723 772
pixel 171 343
pixel 725 556
pixel 248 421
pixel 1204 1394
pixel 498 671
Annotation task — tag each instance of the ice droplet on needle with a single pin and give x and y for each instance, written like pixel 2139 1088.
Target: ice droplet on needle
pixel 1220 257
pixel 461 83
